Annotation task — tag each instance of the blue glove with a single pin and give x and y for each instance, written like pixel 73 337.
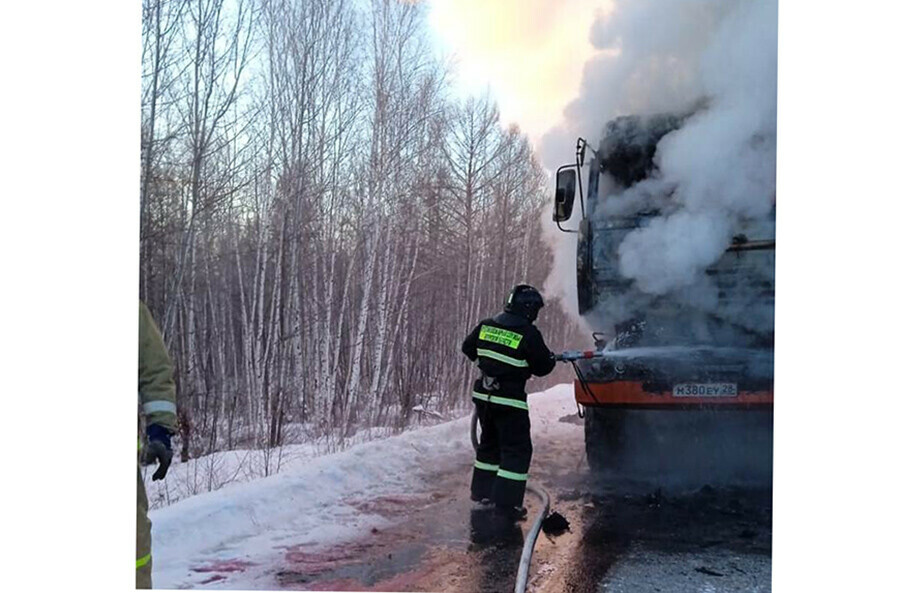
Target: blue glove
pixel 159 448
pixel 155 432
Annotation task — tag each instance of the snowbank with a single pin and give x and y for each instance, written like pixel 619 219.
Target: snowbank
pixel 309 502
pixel 225 468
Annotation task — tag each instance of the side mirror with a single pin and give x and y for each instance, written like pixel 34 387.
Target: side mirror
pixel 565 194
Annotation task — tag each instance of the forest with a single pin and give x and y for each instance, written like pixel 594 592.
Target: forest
pixel 323 218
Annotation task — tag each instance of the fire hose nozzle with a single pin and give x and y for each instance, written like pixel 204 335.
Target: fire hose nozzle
pixel 573 355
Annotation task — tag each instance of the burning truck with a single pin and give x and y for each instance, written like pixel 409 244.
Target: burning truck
pixel 683 388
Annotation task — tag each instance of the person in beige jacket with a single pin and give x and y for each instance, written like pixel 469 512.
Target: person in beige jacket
pixel 156 392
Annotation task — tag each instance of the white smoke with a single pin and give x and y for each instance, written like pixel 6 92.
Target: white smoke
pixel 672 252
pixel 562 274
pixel 717 171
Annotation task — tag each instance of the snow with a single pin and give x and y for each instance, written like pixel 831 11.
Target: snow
pixel 245 528
pixel 223 468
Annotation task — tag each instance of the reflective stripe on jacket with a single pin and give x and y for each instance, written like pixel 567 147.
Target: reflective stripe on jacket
pixel 156 383
pixel 509 349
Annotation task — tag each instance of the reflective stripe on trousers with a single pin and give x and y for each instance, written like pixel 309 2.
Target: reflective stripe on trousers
pixel 501 473
pixel 488 467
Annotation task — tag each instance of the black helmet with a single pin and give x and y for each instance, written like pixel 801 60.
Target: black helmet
pixel 524 300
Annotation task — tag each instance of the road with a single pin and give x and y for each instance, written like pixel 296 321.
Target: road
pixel 633 538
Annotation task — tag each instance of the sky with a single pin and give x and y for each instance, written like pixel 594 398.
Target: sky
pixel 528 53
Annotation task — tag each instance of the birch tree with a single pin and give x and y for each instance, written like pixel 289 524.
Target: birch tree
pixel 321 222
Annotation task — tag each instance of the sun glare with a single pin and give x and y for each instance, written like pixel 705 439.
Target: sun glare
pixel 529 53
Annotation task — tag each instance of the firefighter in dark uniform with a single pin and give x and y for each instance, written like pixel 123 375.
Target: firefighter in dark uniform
pixel 509 349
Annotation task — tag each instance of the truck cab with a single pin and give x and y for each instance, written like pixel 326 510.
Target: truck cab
pixel 684 389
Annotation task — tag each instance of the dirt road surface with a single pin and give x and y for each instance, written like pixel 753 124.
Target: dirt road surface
pixel 634 538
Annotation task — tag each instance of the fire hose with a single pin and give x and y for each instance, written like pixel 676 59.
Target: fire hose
pixel 534 488
pixel 573 356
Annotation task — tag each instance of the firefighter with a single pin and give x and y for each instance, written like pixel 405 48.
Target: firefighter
pixel 509 349
pixel 156 390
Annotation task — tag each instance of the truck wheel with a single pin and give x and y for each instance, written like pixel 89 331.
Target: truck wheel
pixel 603 438
pixel 683 447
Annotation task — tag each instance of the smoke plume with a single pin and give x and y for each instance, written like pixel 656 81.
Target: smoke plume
pixel 713 63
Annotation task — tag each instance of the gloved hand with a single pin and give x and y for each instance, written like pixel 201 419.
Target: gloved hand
pixel 158 449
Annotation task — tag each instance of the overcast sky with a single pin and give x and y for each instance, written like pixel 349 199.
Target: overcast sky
pixel 530 53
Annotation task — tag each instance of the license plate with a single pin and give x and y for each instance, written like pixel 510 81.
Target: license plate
pixel 705 390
